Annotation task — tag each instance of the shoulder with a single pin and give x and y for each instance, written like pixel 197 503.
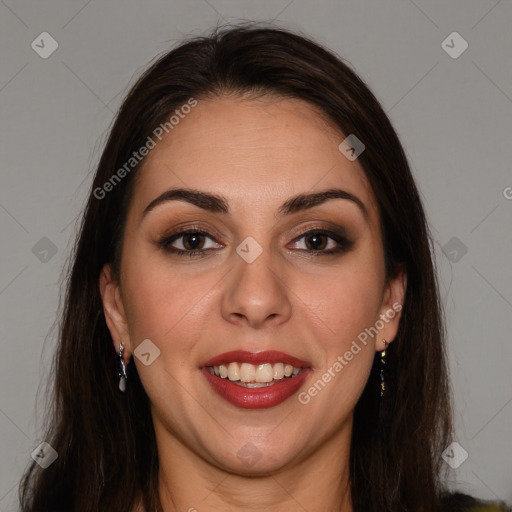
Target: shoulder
pixel 458 502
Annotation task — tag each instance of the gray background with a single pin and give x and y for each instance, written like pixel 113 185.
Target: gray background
pixel 453 116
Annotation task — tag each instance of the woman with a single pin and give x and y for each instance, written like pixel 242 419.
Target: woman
pixel 254 257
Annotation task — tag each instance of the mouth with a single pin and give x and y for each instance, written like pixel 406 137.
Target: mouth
pixel 255 376
pixel 255 380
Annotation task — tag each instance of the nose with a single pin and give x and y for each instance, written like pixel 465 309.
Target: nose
pixel 256 294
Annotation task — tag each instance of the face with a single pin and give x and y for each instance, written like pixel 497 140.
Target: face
pixel 246 270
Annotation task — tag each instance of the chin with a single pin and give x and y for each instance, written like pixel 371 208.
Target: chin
pixel 255 459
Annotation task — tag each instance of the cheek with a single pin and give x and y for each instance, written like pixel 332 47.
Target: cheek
pixel 348 298
pixel 348 303
pixel 346 353
pixel 161 305
pixel 170 310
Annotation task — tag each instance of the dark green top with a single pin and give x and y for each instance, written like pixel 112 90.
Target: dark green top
pixel 459 502
pixel 489 508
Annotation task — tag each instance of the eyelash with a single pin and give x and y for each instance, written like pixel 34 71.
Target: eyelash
pixel 343 244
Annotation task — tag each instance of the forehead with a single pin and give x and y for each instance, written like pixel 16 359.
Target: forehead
pixel 267 149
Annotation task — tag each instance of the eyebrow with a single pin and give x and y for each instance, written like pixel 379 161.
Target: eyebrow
pixel 218 204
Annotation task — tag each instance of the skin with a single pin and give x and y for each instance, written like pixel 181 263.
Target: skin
pixel 257 154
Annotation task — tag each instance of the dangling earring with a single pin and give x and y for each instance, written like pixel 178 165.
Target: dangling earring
pixel 122 370
pixel 382 365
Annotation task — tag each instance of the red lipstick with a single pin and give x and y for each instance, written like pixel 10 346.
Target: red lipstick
pixel 262 397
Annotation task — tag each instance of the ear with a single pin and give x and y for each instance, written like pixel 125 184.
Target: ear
pixel 114 311
pixel 391 309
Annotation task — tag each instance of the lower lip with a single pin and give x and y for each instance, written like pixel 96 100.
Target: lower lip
pixel 256 398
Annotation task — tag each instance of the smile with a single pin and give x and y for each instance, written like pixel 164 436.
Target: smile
pixel 252 376
pixel 255 380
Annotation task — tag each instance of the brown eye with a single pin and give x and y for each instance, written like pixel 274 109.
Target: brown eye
pixel 322 242
pixel 193 241
pixel 189 243
pixel 316 241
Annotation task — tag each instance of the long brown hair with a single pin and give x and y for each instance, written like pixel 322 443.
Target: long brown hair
pixel 107 458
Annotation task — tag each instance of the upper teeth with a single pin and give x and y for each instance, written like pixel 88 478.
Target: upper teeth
pixel 246 372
